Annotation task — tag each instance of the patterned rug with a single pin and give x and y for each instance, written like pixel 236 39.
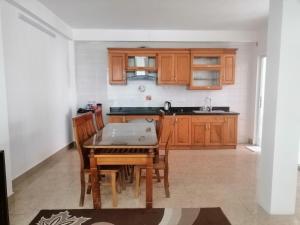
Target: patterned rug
pixel 203 216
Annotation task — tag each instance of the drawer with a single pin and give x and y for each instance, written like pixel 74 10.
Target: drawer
pixel 203 119
pixel 142 117
pixel 126 118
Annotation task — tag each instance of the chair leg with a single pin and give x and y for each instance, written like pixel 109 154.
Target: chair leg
pixel 119 183
pixel 123 179
pixel 157 175
pixel 137 173
pixel 82 193
pixel 114 189
pixel 131 174
pixel 89 188
pixel 166 182
pixel 126 172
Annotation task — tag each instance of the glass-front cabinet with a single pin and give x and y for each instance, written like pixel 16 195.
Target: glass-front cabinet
pixel 206 61
pixel 206 72
pixel 206 78
pixel 141 62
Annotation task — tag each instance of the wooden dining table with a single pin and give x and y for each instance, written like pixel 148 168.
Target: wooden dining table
pixel 122 144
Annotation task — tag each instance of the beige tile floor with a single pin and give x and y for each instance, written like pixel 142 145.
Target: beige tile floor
pixel 223 178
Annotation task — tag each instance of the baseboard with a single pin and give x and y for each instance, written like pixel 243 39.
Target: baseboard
pixel 29 172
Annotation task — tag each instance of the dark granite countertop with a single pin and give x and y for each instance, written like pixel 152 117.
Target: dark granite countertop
pixel 120 111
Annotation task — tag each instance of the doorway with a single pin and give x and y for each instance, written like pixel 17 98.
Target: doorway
pixel 260 100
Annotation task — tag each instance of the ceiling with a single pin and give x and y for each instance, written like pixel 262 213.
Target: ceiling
pixel 162 14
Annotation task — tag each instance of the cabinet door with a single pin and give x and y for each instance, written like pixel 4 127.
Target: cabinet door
pixel 166 73
pixel 182 68
pixel 117 73
pixel 167 126
pixel 206 79
pixel 215 133
pixel 229 69
pixel 231 130
pixel 183 130
pixel 199 133
pixel 116 119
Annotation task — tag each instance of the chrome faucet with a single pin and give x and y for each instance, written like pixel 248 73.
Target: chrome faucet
pixel 207 104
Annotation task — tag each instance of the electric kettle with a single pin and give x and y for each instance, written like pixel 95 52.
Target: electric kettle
pixel 167 106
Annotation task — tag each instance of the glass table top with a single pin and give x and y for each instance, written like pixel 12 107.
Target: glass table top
pixel 124 134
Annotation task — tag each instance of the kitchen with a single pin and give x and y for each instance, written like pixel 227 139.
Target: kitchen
pixel 191 111
pixel 92 70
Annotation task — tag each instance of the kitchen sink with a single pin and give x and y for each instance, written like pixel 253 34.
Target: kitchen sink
pixel 203 111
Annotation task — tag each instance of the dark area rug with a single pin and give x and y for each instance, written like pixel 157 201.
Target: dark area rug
pixel 189 216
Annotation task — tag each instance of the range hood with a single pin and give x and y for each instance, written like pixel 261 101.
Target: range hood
pixel 141 75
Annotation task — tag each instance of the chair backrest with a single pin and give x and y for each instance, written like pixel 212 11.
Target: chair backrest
pixel 170 134
pixel 83 128
pixel 160 126
pixel 99 119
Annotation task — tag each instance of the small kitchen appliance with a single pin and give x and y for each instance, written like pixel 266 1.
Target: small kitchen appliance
pixel 167 106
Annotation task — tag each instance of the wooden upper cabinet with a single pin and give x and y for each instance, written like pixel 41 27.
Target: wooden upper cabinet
pixel 174 68
pixel 117 73
pixel 228 69
pixel 182 68
pixel 212 68
pixel 166 70
pixel 182 130
pixel 198 68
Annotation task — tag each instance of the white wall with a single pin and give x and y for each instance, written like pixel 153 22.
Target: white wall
pixel 92 82
pixel 243 36
pixel 4 132
pixel 42 14
pixel 39 89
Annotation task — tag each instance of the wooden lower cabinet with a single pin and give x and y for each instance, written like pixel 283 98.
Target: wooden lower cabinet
pixel 194 131
pixel 117 119
pixel 230 135
pixel 199 134
pixel 215 134
pixel 214 131
pixel 182 134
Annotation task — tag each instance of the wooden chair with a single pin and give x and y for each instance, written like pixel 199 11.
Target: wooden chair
pixel 162 162
pixel 99 119
pixel 159 130
pixel 84 128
